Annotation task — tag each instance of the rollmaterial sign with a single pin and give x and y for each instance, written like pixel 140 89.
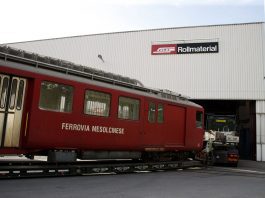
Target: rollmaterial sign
pixel 185 48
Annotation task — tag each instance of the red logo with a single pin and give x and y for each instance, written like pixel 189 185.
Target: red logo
pixel 164 49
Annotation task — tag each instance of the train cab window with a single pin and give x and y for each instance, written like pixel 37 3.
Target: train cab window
pixel 151 112
pixel 160 113
pixel 199 119
pixel 56 97
pixel 97 103
pixel 128 108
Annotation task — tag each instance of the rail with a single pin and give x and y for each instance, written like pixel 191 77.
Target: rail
pixel 24 169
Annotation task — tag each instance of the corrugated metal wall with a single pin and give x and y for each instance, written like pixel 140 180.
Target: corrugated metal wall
pixel 260 130
pixel 236 72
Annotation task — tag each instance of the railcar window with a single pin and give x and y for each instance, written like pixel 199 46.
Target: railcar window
pixel 160 113
pixel 0 87
pixel 97 103
pixel 56 97
pixel 152 112
pixel 199 119
pixel 4 92
pixel 128 108
pixel 20 95
pixel 13 94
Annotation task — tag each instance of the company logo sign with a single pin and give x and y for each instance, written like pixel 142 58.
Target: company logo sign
pixel 164 49
pixel 186 48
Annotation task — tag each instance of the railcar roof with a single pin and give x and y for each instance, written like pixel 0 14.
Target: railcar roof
pixel 32 62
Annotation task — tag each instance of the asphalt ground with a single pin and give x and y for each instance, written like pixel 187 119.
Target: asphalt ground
pixel 247 180
pixel 252 165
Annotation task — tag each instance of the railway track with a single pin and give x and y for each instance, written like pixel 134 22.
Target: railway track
pixel 24 169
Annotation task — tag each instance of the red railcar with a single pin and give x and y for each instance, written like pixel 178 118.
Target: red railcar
pixel 52 107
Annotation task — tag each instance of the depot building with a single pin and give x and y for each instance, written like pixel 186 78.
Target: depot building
pixel 221 67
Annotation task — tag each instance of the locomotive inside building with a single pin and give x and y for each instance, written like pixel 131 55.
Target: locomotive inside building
pixel 244 113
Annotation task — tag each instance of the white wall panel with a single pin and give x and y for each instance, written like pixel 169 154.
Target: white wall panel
pixel 236 72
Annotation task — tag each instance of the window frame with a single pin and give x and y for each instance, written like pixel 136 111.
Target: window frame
pixel 199 123
pixel 20 95
pixel 156 115
pixel 139 108
pixel 163 110
pixel 4 92
pixel 54 110
pixel 13 94
pixel 110 103
pixel 150 113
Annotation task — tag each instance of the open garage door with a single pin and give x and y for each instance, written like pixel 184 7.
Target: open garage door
pixel 245 121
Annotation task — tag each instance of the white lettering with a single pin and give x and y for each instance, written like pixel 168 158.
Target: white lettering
pixel 63 126
pixel 199 49
pixel 67 126
pixel 94 128
pixel 180 49
pixel 74 127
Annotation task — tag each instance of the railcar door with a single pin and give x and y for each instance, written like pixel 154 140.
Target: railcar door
pixel 12 93
pixel 153 136
pixel 175 125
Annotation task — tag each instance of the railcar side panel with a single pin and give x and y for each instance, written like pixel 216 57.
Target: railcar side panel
pixel 76 130
pixel 195 130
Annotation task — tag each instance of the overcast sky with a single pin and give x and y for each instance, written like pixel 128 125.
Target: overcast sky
pixel 25 20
